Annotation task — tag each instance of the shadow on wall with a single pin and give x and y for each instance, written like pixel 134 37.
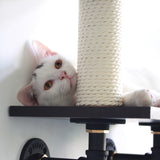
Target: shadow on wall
pixel 16 76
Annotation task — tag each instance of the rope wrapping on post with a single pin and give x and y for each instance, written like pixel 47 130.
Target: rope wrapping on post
pixel 99 58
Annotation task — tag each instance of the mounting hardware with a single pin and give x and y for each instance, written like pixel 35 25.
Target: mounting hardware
pixel 97 131
pixel 34 149
pixel 155 132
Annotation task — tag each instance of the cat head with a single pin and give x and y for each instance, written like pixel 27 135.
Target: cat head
pixel 53 80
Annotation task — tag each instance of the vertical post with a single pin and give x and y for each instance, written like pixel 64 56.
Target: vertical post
pixel 156 141
pixel 97 141
pixel 99 59
pixel 97 147
pixel 156 147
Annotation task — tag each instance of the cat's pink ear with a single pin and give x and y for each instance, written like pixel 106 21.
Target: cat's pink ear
pixel 40 50
pixel 26 97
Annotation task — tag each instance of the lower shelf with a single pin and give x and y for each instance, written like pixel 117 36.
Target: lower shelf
pixel 119 112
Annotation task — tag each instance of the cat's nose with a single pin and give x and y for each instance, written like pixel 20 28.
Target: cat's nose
pixel 63 75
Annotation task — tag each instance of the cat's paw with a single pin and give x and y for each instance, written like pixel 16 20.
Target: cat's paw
pixel 142 97
pixel 157 103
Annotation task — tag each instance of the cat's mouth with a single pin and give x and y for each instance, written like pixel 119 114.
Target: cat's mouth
pixel 71 79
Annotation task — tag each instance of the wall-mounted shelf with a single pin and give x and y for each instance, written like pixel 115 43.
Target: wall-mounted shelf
pixel 86 112
pixel 97 120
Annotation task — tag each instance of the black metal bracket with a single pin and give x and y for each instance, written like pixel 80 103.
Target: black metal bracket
pixel 36 149
pixel 97 128
pixel 99 148
pixel 155 155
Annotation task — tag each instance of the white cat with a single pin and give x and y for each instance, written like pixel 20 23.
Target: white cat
pixel 54 83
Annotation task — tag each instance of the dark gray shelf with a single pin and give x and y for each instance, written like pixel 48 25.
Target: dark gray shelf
pixel 119 112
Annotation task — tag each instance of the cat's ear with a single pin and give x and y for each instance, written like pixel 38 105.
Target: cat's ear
pixel 25 96
pixel 40 50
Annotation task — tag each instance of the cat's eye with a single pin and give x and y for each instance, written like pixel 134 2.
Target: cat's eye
pixel 48 85
pixel 58 64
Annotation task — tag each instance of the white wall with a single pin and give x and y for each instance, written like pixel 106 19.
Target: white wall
pixel 54 22
pixel 141 56
pixel 141 43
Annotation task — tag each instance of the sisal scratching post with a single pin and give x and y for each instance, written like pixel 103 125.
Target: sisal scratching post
pixel 99 60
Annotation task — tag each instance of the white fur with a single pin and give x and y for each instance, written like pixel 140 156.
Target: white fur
pixel 140 97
